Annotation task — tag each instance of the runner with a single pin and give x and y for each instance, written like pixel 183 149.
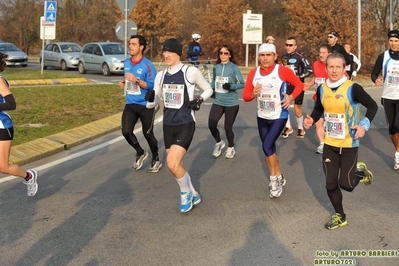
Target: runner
pixel 268 85
pixel 388 62
pixel 7 102
pixel 139 80
pixel 319 77
pixel 227 79
pixel 301 67
pixel 338 100
pixel 175 86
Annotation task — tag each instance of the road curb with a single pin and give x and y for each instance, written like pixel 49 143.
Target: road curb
pixel 47 81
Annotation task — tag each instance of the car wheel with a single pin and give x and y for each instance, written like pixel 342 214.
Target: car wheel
pixel 64 66
pixel 82 69
pixel 25 65
pixel 44 66
pixel 106 71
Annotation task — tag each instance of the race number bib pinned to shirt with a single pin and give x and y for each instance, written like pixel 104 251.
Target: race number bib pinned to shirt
pixel 292 67
pixel 335 125
pixel 132 88
pixel 173 95
pixel 219 81
pixel 267 102
pixel 319 81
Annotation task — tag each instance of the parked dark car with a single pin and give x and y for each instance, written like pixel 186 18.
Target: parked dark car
pixel 64 55
pixel 107 57
pixel 16 57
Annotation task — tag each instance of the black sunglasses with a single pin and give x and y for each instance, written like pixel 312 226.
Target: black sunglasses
pixel 225 53
pixel 289 44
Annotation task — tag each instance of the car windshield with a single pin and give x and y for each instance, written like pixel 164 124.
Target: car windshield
pixel 8 47
pixel 70 48
pixel 113 48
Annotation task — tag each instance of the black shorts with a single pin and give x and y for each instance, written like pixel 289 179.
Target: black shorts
pixel 6 134
pixel 299 99
pixel 181 135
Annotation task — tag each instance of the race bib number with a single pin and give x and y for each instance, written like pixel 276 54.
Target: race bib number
pixel 335 125
pixel 173 95
pixel 393 76
pixel 267 102
pixel 219 81
pixel 319 81
pixel 132 88
pixel 292 67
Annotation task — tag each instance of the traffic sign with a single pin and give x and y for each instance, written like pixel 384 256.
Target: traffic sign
pixel 120 29
pixel 47 29
pixel 130 5
pixel 50 11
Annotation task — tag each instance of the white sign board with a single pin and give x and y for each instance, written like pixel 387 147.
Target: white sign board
pixel 47 29
pixel 252 29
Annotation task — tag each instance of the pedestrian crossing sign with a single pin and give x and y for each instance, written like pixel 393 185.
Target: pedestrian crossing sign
pixel 50 11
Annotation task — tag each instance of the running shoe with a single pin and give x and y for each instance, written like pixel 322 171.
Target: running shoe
pixel 282 180
pixel 197 199
pixel 396 166
pixel 230 153
pixel 336 221
pixel 319 149
pixel 365 175
pixel 300 134
pixel 32 183
pixel 217 150
pixel 275 188
pixel 287 131
pixel 155 166
pixel 186 201
pixel 139 160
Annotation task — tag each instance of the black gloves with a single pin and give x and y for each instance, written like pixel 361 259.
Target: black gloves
pixel 226 86
pixel 196 103
pixel 150 96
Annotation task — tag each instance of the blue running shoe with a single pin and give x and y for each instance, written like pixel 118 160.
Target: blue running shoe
pixel 197 199
pixel 186 201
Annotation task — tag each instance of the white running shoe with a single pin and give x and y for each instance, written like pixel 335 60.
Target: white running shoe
pixel 320 148
pixel 217 150
pixel 139 160
pixel 230 153
pixel 396 166
pixel 155 166
pixel 275 188
pixel 32 183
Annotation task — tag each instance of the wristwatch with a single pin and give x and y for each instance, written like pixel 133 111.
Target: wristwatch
pixel 137 81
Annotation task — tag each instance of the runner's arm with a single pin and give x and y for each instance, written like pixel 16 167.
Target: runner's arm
pixel 377 67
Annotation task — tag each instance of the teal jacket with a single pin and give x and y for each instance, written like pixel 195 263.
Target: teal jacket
pixel 236 81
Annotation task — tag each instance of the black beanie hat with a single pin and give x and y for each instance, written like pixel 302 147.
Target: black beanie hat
pixel 393 33
pixel 172 45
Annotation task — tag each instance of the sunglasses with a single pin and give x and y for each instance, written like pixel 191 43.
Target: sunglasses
pixel 289 44
pixel 225 53
pixel 330 36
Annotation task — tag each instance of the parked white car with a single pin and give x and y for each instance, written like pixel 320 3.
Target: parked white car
pixel 107 57
pixel 64 55
pixel 16 57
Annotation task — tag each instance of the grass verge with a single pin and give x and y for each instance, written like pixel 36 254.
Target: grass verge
pixel 14 73
pixel 43 111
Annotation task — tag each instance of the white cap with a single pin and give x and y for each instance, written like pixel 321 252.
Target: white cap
pixel 267 47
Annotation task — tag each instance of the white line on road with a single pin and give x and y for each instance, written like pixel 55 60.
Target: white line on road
pixel 78 154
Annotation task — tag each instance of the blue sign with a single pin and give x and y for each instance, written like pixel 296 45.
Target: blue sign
pixel 50 11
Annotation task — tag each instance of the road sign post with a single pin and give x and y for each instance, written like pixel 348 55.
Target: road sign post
pixel 50 16
pixel 126 7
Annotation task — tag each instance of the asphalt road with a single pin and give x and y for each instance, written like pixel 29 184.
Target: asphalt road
pixel 92 208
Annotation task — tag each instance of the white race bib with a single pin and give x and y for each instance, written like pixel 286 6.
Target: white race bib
pixel 335 125
pixel 173 95
pixel 267 102
pixel 319 81
pixel 219 81
pixel 132 88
